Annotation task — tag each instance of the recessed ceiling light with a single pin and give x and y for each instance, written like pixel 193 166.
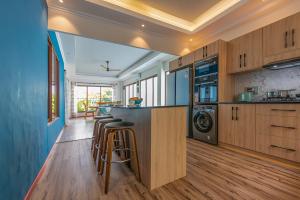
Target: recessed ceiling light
pixel 143 25
pixel 61 1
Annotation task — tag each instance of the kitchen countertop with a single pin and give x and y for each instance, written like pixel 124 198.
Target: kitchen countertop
pixel 261 102
pixel 150 107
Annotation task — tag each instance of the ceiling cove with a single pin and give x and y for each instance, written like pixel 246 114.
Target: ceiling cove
pixel 155 12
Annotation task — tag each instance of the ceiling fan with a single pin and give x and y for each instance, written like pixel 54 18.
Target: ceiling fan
pixel 106 68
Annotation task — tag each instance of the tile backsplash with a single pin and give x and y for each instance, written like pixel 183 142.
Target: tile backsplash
pixel 267 80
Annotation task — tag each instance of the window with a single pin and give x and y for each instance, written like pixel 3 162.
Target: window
pixel 130 91
pixel 53 83
pixel 85 96
pixel 149 91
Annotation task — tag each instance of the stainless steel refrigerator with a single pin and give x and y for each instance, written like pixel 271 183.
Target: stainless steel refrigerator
pixel 179 91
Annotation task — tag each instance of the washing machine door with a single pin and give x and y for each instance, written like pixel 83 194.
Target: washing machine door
pixel 203 121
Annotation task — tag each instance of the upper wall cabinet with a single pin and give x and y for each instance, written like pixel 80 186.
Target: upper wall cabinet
pixel 281 40
pixel 245 52
pixel 206 51
pixel 181 62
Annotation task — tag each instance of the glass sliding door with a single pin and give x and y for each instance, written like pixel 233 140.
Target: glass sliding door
pixel 155 93
pixel 80 98
pixel 87 96
pixel 106 94
pixel 130 91
pixel 149 91
pixel 143 92
pixel 93 95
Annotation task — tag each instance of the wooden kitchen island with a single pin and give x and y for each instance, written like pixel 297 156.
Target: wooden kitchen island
pixel 161 141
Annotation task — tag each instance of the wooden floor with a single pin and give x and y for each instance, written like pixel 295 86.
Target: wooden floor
pixel 77 130
pixel 212 173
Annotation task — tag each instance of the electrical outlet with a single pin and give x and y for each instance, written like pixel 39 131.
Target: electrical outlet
pixel 254 90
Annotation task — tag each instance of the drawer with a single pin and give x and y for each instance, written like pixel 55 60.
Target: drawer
pixel 288 133
pixel 277 146
pixel 283 143
pixel 283 121
pixel 284 110
pixel 292 155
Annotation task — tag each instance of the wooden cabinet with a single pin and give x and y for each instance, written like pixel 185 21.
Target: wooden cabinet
pixel 173 65
pixel 278 130
pixel 281 40
pixel 207 51
pixel 181 62
pixel 245 53
pixel 237 125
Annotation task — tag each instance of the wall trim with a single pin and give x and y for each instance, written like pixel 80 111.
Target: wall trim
pixel 42 170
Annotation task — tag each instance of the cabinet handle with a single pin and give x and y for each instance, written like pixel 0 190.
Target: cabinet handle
pixel 232 108
pixel 275 109
pixel 285 39
pixel 288 127
pixel 293 37
pixel 275 146
pixel 240 60
pixel 236 113
pixel 206 50
pixel 245 60
pixel 203 52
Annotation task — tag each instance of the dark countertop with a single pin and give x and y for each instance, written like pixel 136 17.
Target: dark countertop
pixel 150 107
pixel 261 102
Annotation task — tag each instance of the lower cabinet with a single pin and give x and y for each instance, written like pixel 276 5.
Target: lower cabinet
pixel 273 129
pixel 278 131
pixel 237 125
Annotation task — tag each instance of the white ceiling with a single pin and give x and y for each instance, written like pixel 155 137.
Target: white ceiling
pixel 185 9
pixel 85 56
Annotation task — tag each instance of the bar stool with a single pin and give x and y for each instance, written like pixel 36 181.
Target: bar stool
pixel 123 129
pixel 98 141
pixel 96 127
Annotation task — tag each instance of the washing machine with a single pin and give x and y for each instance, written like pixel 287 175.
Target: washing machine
pixel 205 126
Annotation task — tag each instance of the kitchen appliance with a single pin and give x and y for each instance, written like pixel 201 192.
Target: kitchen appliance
pixel 283 64
pixel 281 96
pixel 179 90
pixel 205 123
pixel 206 81
pixel 245 97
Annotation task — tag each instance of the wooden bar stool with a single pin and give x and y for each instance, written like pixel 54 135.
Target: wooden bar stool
pixel 122 129
pixel 98 141
pixel 96 127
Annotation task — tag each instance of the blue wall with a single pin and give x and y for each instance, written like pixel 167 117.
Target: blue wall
pixel 55 128
pixel 25 136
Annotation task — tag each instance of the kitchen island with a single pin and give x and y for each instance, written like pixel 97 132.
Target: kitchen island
pixel 161 141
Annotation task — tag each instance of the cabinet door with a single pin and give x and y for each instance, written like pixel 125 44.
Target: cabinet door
pixel 275 41
pixel 207 51
pixel 251 48
pixel 199 54
pixel 245 129
pixel 212 49
pixel 244 53
pixel 294 34
pixel 227 123
pixel 234 56
pixel 173 65
pixel 187 59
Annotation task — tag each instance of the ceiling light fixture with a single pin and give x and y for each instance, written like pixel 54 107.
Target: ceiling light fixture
pixel 61 1
pixel 143 25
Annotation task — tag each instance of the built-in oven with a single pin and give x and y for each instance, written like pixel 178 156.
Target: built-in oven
pixel 206 81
